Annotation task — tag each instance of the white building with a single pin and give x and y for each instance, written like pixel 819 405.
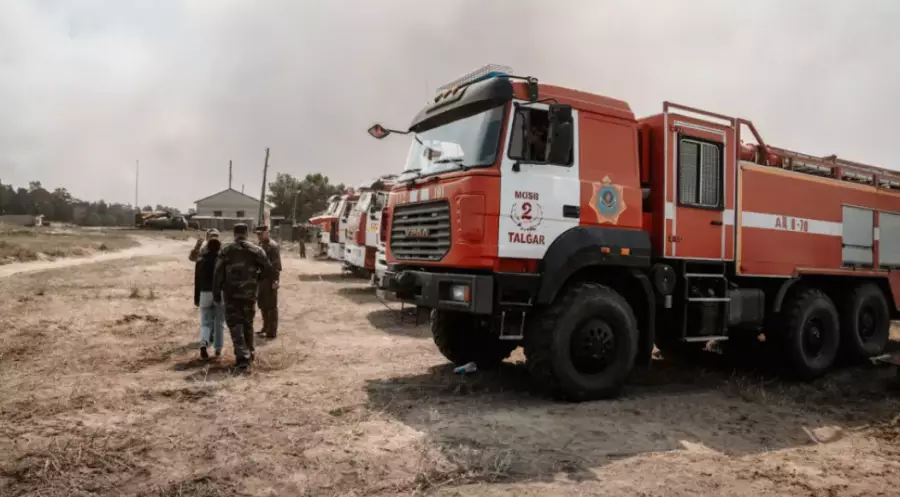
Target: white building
pixel 223 209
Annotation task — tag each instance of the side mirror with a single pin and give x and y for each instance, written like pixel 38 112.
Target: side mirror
pixel 561 136
pixel 379 132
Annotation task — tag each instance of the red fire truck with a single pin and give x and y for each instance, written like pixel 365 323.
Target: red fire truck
pixel 553 218
pixel 338 229
pixel 324 221
pixel 363 226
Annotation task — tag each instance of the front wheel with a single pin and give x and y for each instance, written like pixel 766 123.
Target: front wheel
pixel 584 345
pixel 463 338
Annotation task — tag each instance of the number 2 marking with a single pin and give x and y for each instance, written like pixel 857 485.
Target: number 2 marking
pixel 526 211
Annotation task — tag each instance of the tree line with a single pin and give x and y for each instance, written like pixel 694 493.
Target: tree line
pixel 311 194
pixel 307 196
pixel 59 205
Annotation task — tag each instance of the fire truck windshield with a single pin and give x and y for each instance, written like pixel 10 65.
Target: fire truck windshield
pixel 364 202
pixel 472 141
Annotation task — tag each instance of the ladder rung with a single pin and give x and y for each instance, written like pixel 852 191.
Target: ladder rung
pixel 709 299
pixel 712 338
pixel 704 275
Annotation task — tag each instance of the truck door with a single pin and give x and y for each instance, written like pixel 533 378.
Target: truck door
pixel 699 203
pixel 373 221
pixel 538 200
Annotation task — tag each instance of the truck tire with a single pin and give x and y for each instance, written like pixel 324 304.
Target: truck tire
pixel 462 339
pixel 583 346
pixel 865 322
pixel 811 334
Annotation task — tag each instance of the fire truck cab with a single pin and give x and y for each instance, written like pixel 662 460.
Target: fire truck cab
pixel 339 226
pixel 323 221
pixel 364 226
pixel 535 215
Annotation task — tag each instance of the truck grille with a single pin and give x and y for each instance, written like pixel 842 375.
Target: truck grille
pixel 421 231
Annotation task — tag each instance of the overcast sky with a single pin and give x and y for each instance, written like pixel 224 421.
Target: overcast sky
pixel 89 86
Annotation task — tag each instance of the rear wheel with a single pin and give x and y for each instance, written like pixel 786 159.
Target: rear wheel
pixel 584 345
pixel 463 338
pixel 865 322
pixel 811 333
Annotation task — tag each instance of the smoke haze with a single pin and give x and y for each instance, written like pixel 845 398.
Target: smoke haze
pixel 89 86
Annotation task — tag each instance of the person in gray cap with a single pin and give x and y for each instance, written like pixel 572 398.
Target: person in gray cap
pixel 239 267
pixel 268 287
pixel 199 248
pixel 212 315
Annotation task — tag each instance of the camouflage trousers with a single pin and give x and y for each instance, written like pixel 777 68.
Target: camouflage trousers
pixel 239 314
pixel 268 308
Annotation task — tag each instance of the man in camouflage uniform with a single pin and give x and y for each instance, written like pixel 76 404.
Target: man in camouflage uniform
pixel 303 234
pixel 268 287
pixel 239 268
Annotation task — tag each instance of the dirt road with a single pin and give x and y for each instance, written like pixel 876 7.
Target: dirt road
pixel 102 394
pixel 148 246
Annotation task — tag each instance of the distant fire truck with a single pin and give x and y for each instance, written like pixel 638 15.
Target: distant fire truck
pixel 364 224
pixel 538 215
pixel 338 227
pixel 325 222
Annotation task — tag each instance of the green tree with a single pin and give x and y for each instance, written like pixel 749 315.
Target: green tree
pixel 312 194
pixel 92 219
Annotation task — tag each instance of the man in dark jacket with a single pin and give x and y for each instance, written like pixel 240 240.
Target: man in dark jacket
pixel 212 315
pixel 199 248
pixel 268 287
pixel 239 267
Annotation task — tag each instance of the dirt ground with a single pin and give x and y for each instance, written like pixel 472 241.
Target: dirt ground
pixel 102 394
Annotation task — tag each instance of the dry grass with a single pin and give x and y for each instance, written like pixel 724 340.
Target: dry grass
pixel 103 394
pixel 28 244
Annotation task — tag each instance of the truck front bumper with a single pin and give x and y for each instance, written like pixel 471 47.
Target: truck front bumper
pixel 456 292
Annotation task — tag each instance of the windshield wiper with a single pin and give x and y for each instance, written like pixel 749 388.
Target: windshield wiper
pixel 455 160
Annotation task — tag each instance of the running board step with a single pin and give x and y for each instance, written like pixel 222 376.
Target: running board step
pixel 709 299
pixel 704 275
pixel 716 338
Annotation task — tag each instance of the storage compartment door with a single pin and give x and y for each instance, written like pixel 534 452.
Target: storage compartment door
pixel 858 234
pixel 889 240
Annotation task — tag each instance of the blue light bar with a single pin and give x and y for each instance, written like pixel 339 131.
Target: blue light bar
pixel 486 72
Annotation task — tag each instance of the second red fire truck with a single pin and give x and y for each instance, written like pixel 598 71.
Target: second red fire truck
pixel 536 215
pixel 364 226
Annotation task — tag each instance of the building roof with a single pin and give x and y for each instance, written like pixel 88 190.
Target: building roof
pixel 235 191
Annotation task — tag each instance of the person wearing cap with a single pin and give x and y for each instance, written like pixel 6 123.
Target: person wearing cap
pixel 197 251
pixel 212 315
pixel 268 287
pixel 240 266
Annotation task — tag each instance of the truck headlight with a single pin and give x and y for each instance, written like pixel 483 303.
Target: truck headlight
pixel 459 293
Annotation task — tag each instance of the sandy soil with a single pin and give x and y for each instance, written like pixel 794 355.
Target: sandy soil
pixel 102 394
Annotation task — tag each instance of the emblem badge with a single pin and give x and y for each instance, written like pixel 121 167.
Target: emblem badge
pixel 608 202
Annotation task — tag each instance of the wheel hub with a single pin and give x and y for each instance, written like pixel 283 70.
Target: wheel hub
pixel 593 347
pixel 813 337
pixel 866 323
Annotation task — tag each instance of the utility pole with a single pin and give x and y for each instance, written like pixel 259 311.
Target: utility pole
pixel 262 196
pixel 294 207
pixel 229 174
pixel 137 172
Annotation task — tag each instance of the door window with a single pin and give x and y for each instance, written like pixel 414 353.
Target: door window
pixel 530 129
pixel 699 174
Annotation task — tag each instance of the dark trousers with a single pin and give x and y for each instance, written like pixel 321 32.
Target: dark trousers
pixel 268 308
pixel 239 314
